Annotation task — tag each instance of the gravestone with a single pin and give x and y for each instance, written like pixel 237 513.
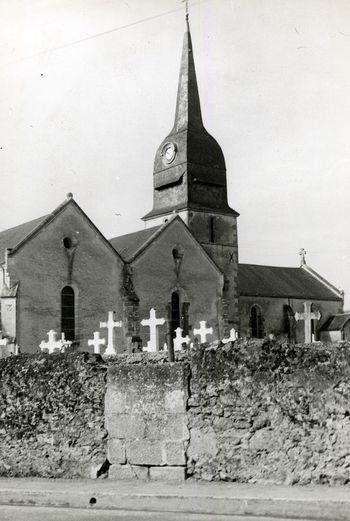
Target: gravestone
pixel 179 339
pixel 203 331
pixel 153 322
pixel 308 315
pixel 97 342
pixel 110 325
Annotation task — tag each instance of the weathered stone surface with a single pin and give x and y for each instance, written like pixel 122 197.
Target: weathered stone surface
pixel 145 452
pixel 126 426
pixel 116 451
pixel 52 416
pixel 285 413
pixel 128 472
pixel 167 473
pixel 175 453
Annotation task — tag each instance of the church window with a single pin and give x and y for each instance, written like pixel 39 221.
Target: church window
pixel 256 325
pixel 67 242
pixel 68 312
pixel 175 312
pixel 289 324
pixel 212 229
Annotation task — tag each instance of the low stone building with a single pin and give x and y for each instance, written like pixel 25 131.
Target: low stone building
pixel 336 328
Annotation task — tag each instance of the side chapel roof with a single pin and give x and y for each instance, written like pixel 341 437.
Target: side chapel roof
pixel 274 281
pixel 336 322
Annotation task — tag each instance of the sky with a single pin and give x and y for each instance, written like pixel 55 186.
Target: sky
pixel 84 112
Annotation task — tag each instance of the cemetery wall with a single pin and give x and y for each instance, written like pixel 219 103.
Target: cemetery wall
pixel 272 313
pixel 51 415
pixel 270 413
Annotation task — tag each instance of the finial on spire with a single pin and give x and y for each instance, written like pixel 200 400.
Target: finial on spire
pixel 186 8
pixel 302 254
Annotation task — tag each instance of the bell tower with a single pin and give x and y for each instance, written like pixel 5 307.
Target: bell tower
pixel 189 179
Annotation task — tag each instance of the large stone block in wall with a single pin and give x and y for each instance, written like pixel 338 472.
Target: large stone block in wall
pixel 145 411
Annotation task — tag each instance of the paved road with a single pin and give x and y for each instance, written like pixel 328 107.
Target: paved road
pixel 18 513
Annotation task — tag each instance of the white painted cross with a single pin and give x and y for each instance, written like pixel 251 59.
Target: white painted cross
pixel 203 331
pixel 52 344
pixel 152 322
pixel 307 316
pixel 179 339
pixel 110 325
pixel 233 336
pixel 97 342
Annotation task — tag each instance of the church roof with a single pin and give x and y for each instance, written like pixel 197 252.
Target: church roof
pixel 273 281
pixel 128 245
pixel 11 237
pixel 336 322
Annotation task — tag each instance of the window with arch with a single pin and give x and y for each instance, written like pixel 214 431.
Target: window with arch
pixel 256 323
pixel 175 311
pixel 289 324
pixel 68 312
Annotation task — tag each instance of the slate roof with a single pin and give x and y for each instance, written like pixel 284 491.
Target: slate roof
pixel 13 236
pixel 336 322
pixel 127 245
pixel 274 281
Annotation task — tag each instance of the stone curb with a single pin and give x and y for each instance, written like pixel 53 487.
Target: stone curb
pixel 189 501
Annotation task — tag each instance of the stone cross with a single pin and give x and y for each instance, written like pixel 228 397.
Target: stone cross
pixel 233 336
pixel 152 322
pixel 97 342
pixel 179 339
pixel 110 325
pixel 307 316
pixel 52 344
pixel 203 331
pixel 3 342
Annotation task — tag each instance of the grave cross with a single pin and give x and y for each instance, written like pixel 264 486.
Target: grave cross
pixel 52 344
pixel 110 325
pixel 307 316
pixel 97 342
pixel 179 339
pixel 203 331
pixel 233 336
pixel 152 322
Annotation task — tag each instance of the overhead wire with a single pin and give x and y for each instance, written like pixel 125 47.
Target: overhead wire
pixel 98 35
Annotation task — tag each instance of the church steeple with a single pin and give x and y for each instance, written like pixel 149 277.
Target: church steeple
pixel 189 166
pixel 188 107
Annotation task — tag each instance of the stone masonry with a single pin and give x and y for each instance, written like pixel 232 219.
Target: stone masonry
pixel 146 420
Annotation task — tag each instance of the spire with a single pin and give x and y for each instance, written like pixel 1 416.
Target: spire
pixel 188 109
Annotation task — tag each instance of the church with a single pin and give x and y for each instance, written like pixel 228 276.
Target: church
pixel 60 273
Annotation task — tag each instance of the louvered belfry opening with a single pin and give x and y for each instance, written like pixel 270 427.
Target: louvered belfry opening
pixel 68 312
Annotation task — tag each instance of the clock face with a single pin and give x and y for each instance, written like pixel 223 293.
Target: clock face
pixel 169 152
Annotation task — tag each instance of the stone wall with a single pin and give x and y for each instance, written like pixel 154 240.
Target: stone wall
pixel 146 420
pixel 270 413
pixel 51 416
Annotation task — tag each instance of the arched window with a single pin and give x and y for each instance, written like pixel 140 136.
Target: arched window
pixel 175 312
pixel 256 326
pixel 68 312
pixel 289 324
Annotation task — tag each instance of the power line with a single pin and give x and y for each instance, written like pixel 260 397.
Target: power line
pixel 97 35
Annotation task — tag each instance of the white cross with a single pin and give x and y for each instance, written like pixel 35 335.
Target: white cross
pixel 179 339
pixel 97 342
pixel 4 342
pixel 110 325
pixel 52 344
pixel 233 336
pixel 64 343
pixel 203 331
pixel 307 316
pixel 152 322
